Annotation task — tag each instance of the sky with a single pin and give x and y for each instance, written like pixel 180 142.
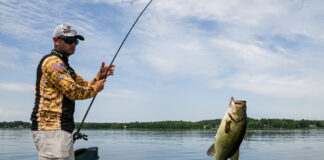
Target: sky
pixel 183 60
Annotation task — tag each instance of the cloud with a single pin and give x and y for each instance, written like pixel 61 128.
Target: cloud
pixel 124 94
pixel 260 70
pixel 181 46
pixel 243 51
pixel 16 87
pixel 9 55
pixel 23 20
pixel 12 115
pixel 252 56
pixel 271 48
pixel 278 86
pixel 251 12
pixel 13 57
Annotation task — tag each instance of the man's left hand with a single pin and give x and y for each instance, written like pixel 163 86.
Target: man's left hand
pixel 103 70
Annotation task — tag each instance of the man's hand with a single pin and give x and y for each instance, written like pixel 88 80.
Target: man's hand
pixel 100 84
pixel 103 70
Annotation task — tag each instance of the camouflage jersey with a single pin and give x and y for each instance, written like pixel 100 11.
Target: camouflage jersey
pixel 57 87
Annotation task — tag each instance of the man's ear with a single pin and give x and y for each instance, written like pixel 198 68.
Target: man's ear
pixel 55 40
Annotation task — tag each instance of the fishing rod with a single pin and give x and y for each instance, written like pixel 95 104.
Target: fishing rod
pixel 77 134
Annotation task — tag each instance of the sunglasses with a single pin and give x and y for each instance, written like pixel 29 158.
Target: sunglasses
pixel 70 40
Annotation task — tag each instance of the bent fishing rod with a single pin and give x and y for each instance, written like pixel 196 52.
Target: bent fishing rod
pixel 77 134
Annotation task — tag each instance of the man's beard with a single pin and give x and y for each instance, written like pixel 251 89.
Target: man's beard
pixel 66 54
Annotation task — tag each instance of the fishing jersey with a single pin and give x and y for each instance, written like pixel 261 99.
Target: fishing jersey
pixel 57 88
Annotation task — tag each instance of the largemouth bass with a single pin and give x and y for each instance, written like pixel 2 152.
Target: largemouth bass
pixel 231 132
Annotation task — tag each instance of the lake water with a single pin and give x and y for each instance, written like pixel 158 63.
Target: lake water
pixel 176 145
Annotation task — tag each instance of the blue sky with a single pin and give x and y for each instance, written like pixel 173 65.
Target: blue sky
pixel 183 60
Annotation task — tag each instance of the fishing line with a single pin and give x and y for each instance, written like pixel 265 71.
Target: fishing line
pixel 77 134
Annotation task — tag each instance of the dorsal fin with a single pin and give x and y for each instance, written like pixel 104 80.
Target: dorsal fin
pixel 211 151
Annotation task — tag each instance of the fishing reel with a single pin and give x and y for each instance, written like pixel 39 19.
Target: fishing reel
pixel 79 135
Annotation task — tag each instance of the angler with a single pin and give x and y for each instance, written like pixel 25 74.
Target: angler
pixel 57 88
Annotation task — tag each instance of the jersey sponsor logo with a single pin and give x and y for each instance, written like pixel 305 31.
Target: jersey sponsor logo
pixel 57 66
pixel 62 76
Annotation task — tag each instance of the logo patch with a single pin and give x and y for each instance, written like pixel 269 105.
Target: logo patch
pixel 62 76
pixel 58 66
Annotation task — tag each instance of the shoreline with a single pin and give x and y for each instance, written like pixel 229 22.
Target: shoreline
pixel 253 124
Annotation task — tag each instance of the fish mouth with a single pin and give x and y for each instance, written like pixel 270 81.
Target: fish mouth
pixel 237 103
pixel 240 103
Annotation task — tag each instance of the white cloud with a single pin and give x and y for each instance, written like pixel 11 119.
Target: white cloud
pixel 245 12
pixel 9 55
pixel 234 53
pixel 182 48
pixel 252 57
pixel 124 94
pixel 12 115
pixel 23 20
pixel 121 3
pixel 16 87
pixel 262 71
pixel 278 86
pixel 19 59
pixel 271 48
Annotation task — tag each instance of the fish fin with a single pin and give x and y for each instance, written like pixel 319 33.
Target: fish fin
pixel 227 126
pixel 236 155
pixel 245 136
pixel 211 151
pixel 232 102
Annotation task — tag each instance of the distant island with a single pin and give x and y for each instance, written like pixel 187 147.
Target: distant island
pixel 204 124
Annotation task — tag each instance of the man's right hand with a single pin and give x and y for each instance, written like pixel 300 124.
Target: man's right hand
pixel 100 84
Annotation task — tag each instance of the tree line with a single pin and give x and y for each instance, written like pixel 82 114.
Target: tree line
pixel 15 124
pixel 205 124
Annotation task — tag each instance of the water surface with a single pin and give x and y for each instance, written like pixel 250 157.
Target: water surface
pixel 175 145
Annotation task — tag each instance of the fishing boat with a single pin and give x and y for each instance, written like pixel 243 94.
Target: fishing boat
pixel 86 153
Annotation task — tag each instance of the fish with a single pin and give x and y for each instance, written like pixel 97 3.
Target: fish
pixel 231 132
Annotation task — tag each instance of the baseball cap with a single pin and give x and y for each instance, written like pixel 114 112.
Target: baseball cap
pixel 66 31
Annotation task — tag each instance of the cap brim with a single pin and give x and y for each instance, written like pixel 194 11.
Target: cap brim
pixel 79 37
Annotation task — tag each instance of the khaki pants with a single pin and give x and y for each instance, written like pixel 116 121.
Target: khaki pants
pixel 54 145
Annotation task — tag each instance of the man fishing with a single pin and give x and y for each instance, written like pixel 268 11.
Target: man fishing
pixel 57 88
